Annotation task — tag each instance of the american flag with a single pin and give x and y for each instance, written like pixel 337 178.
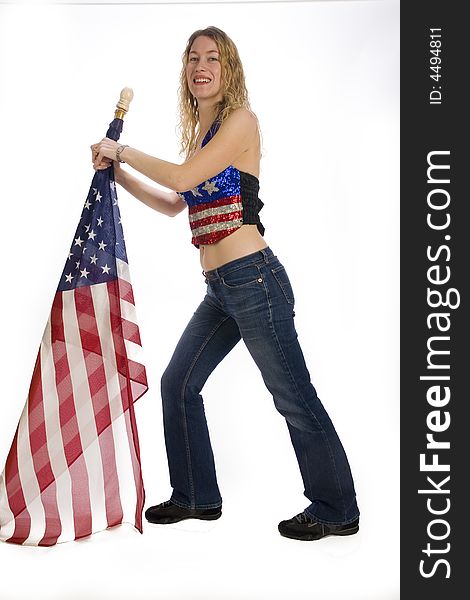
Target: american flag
pixel 74 464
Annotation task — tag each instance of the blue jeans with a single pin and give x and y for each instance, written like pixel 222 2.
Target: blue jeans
pixel 251 298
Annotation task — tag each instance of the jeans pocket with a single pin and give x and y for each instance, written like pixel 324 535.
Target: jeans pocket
pixel 280 275
pixel 241 277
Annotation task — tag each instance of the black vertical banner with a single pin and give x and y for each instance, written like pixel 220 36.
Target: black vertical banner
pixel 434 300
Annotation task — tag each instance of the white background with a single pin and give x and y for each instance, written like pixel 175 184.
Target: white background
pixel 323 79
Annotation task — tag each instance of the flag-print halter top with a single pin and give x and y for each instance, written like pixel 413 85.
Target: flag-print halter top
pixel 223 203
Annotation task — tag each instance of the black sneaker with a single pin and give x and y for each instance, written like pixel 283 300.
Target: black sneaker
pixel 303 527
pixel 167 512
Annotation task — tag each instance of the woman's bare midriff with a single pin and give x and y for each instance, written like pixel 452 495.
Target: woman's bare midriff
pixel 243 241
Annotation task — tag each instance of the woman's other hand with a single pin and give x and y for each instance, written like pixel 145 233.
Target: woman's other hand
pixel 104 164
pixel 104 153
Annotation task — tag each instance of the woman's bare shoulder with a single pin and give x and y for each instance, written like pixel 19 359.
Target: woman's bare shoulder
pixel 242 119
pixel 243 113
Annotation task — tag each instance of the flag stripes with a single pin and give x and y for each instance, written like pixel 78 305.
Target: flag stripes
pixel 74 464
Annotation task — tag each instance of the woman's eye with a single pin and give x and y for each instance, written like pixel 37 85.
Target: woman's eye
pixel 192 58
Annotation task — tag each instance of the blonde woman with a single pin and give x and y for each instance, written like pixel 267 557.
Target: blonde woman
pixel 249 296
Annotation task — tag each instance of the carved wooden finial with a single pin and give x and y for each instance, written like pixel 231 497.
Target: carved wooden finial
pixel 125 99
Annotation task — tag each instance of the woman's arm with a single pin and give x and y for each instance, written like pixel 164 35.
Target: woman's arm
pixel 232 139
pixel 168 203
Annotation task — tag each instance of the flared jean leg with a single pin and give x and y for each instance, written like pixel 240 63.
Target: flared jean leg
pixel 322 461
pixel 207 339
pixel 257 293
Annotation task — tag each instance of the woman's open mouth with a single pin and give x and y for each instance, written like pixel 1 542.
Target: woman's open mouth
pixel 201 80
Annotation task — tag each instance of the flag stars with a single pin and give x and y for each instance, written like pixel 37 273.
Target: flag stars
pixel 100 230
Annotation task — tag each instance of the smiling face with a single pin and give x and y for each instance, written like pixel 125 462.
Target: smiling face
pixel 203 70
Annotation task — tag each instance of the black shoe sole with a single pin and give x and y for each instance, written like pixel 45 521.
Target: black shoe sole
pixel 310 537
pixel 168 520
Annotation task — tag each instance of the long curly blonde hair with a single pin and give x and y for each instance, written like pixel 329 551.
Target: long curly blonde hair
pixel 233 79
